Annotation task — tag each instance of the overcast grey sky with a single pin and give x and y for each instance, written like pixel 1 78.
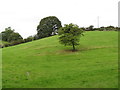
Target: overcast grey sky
pixel 25 15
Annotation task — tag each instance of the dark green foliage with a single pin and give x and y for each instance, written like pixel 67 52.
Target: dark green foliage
pixel 7 45
pixel 90 28
pixel 9 35
pixel 108 28
pixel 48 26
pixel 35 37
pixel 102 28
pixel 28 39
pixel 117 29
pixel 17 42
pixel 70 35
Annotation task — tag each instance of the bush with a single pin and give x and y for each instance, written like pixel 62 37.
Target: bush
pixel 17 42
pixel 7 45
pixel 28 39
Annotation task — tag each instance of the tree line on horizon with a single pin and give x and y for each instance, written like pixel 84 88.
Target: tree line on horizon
pixel 47 27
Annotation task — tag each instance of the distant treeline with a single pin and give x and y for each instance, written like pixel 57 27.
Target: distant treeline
pixel 108 28
pixel 16 42
pixel 47 27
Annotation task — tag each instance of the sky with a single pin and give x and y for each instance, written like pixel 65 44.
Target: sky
pixel 25 15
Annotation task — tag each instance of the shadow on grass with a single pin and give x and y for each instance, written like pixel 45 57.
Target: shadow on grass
pixel 80 49
pixel 69 50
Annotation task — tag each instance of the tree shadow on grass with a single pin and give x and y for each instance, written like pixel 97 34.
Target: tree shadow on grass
pixel 81 49
pixel 71 50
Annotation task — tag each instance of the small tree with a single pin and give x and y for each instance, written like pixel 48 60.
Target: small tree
pixel 70 35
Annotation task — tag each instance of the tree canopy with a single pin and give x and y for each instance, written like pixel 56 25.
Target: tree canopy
pixel 48 26
pixel 9 35
pixel 70 35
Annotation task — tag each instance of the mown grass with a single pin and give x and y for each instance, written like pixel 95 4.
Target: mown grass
pixel 47 64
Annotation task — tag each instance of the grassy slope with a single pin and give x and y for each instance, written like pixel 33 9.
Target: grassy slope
pixel 47 64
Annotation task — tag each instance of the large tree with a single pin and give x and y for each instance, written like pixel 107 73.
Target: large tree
pixel 9 35
pixel 48 26
pixel 70 35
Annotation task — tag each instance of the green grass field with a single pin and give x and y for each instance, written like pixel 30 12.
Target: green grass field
pixel 45 63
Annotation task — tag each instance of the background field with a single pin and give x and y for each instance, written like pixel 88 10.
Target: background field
pixel 47 64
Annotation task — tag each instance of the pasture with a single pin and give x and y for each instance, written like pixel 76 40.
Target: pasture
pixel 45 63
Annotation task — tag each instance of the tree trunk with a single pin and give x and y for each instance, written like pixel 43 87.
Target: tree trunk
pixel 73 47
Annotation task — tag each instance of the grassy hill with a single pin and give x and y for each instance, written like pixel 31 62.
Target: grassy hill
pixel 45 63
